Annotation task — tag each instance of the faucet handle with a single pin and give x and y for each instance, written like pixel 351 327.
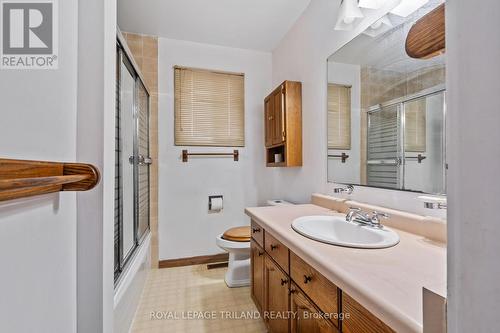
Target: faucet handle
pixel 348 189
pixel 375 219
pixel 377 215
pixel 352 211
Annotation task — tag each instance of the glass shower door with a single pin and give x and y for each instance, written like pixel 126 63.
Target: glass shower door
pixel 424 151
pixel 383 147
pixel 132 162
pixel 143 159
pixel 126 119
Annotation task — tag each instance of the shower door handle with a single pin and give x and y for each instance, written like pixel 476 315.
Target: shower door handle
pixel 144 160
pixel 141 160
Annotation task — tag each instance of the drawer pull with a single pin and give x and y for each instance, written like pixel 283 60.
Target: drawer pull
pixel 284 281
pixel 273 247
pixel 260 253
pixel 291 291
pixel 307 279
pixel 254 230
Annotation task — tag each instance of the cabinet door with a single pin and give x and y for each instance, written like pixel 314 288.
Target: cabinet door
pixel 269 120
pixel 276 297
pixel 306 317
pixel 279 117
pixel 360 320
pixel 257 261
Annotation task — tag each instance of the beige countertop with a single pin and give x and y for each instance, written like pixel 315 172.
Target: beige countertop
pixel 388 282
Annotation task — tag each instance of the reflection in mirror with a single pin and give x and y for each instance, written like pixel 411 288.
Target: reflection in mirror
pixel 386 111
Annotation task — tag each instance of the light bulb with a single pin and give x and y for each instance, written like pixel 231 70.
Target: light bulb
pixel 376 25
pixel 348 20
pixel 348 13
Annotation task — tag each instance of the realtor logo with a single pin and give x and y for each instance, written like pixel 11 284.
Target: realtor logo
pixel 29 34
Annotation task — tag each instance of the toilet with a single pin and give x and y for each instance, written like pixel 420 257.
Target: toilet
pixel 236 241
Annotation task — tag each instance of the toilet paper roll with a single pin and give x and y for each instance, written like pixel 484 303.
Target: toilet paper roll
pixel 216 205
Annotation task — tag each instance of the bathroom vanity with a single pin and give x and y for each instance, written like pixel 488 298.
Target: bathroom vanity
pixel 302 285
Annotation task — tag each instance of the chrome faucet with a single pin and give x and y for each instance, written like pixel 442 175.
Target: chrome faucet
pixel 348 189
pixel 435 205
pixel 357 215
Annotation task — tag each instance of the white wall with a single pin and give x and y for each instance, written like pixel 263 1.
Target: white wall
pixel 95 134
pixel 38 235
pixel 348 172
pixel 301 56
pixel 185 227
pixel 473 82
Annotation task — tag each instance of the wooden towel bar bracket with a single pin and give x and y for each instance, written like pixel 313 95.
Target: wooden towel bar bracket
pixel 22 178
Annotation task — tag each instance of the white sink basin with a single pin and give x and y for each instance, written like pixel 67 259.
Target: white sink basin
pixel 337 231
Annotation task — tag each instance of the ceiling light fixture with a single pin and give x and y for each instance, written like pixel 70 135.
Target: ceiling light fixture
pixel 406 7
pixel 379 27
pixel 371 4
pixel 349 12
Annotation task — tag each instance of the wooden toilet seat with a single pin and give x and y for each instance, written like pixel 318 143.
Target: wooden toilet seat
pixel 238 234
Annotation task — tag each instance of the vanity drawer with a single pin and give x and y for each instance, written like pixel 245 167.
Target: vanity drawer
pixel 257 233
pixel 277 251
pixel 360 320
pixel 323 292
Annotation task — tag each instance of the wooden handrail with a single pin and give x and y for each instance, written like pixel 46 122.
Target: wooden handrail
pixel 21 178
pixel 12 184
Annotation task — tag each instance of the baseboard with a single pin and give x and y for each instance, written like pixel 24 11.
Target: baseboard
pixel 194 260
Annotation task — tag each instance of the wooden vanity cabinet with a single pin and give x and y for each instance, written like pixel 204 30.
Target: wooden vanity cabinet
pixel 276 306
pixel 257 233
pixel 283 125
pixel 257 273
pixel 276 250
pixel 316 286
pixel 307 318
pixel 360 320
pixel 294 297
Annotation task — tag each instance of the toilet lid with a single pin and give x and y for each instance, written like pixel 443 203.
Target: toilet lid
pixel 238 234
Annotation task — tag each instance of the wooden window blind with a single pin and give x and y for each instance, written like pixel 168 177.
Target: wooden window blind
pixel 339 117
pixel 415 125
pixel 209 108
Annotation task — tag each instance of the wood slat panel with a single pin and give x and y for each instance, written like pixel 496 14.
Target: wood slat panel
pixel 426 39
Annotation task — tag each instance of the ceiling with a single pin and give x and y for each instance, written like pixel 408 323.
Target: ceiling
pixel 248 24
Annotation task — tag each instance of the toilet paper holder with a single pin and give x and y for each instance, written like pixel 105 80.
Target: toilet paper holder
pixel 210 198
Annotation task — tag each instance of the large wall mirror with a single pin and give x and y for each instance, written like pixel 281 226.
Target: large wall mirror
pixel 386 111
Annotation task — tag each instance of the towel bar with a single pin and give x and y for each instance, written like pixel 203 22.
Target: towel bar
pixel 186 154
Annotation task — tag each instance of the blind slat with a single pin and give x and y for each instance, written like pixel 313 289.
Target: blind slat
pixel 209 108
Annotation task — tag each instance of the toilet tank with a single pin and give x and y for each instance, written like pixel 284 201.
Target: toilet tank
pixel 278 202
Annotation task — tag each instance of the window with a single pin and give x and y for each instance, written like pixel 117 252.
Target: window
pixel 339 117
pixel 209 108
